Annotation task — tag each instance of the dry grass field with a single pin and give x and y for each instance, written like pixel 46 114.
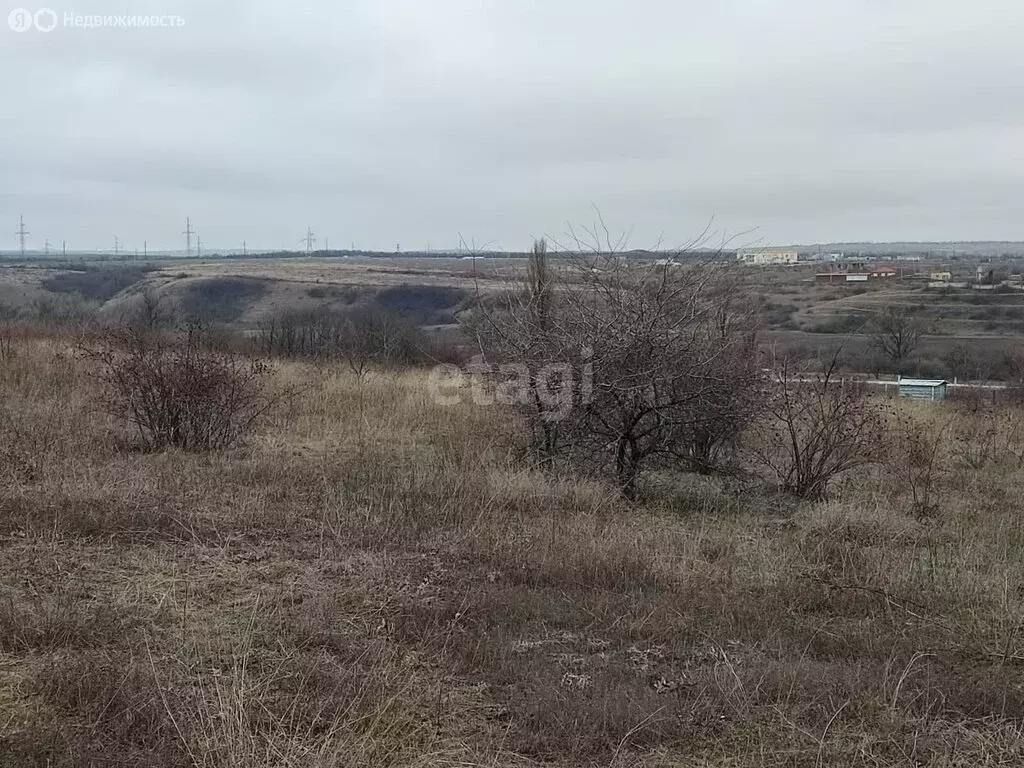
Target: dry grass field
pixel 798 314
pixel 240 294
pixel 373 579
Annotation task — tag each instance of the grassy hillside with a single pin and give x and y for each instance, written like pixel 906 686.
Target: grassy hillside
pixel 374 579
pixel 967 334
pixel 236 294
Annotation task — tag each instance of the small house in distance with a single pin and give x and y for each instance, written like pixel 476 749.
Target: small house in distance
pixel 857 272
pixel 923 389
pixel 882 271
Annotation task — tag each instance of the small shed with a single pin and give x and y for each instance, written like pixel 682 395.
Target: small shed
pixel 923 389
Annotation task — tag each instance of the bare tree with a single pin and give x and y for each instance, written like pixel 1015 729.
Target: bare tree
pixel 306 333
pixel 896 334
pixel 375 336
pixel 361 337
pixel 628 365
pixel 151 312
pixel 539 286
pixel 816 427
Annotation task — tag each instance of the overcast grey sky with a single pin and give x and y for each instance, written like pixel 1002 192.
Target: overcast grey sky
pixel 385 121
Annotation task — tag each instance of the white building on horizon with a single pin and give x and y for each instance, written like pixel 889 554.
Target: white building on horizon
pixel 767 257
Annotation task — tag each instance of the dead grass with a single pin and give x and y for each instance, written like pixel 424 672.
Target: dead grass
pixel 375 580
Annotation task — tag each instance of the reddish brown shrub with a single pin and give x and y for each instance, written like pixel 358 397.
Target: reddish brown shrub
pixel 177 393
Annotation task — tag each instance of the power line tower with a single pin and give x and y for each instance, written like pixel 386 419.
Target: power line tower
pixel 145 249
pixel 199 246
pixel 245 250
pixel 310 240
pixel 22 233
pixel 117 246
pixel 188 236
pixel 46 246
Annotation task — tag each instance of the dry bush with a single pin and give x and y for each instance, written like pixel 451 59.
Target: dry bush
pixel 916 448
pixel 975 441
pixel 177 394
pixel 984 432
pixel 816 427
pixel 627 367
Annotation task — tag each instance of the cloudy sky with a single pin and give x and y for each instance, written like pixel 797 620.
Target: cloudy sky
pixel 410 121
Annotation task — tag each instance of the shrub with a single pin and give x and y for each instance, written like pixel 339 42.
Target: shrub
pixel 667 362
pixel 816 428
pixel 985 433
pixel 915 449
pixel 177 393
